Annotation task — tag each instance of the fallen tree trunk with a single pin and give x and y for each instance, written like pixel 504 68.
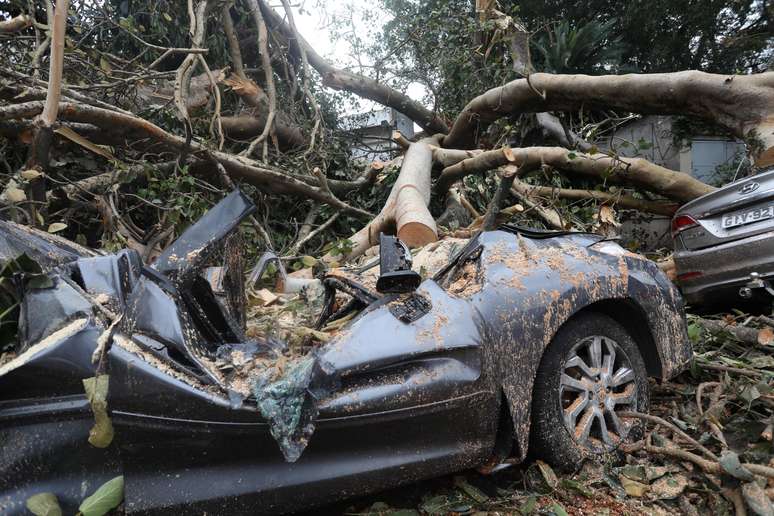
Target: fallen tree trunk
pixel 637 172
pixel 405 210
pixel 743 104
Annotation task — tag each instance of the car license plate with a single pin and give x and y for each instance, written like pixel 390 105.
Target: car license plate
pixel 747 217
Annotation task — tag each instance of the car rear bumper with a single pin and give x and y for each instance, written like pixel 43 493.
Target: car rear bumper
pixel 724 268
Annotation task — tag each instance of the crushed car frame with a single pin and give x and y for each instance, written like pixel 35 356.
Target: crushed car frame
pixel 523 341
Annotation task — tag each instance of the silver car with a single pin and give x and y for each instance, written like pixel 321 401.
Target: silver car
pixel 724 243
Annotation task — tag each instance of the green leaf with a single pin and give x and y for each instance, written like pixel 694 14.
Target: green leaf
pixel 750 394
pixel 529 506
pixel 634 472
pixel 571 155
pixel 104 499
pixel 101 434
pixel 309 261
pixel 56 227
pixel 104 64
pixel 44 504
pixel 435 506
pixel 470 490
pixel 167 17
pixel 694 332
pixel 574 485
pixel 552 481
pixel 557 509
pixel 632 487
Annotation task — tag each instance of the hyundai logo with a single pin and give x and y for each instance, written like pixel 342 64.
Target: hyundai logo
pixel 749 187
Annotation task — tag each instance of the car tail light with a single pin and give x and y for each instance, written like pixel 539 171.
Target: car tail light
pixel 688 275
pixel 682 222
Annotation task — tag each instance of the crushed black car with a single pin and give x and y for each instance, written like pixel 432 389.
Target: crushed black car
pixel 523 341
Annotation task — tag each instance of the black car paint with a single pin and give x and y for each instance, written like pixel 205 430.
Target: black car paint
pixel 409 401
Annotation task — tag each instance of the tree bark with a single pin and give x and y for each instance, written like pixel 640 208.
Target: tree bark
pixel 406 207
pixel 638 172
pixel 743 104
pixel 479 163
pixel 250 125
pixel 507 176
pixel 624 201
pixel 40 150
pixel 15 24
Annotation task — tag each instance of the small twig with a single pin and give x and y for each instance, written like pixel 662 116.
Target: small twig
pixel 700 391
pixel 306 74
pixel 233 42
pixel 216 116
pixel 263 48
pixel 708 466
pixel 297 246
pixel 766 320
pixel 735 496
pixel 735 370
pixel 673 428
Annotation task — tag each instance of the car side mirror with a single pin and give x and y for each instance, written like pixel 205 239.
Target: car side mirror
pixel 395 274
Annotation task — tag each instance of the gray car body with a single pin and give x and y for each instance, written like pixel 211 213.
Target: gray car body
pixel 725 258
pixel 448 391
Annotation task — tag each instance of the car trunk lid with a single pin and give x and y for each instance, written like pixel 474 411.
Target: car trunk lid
pixel 738 210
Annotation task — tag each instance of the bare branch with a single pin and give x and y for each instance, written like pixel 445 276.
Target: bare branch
pixel 15 24
pixel 360 85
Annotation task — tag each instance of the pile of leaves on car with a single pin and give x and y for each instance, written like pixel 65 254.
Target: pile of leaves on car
pixel 706 449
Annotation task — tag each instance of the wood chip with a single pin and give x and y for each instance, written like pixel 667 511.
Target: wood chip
pixel 266 296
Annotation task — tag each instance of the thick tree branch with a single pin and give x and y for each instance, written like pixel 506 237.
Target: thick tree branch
pixel 479 163
pixel 741 103
pixel 624 201
pixel 636 172
pixel 507 176
pixel 15 24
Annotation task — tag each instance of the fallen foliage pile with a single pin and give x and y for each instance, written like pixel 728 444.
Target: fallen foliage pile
pixel 707 450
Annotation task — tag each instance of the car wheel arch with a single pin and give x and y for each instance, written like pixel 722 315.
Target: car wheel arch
pixel 625 311
pixel 629 314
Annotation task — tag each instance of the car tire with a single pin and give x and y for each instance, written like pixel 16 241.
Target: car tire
pixel 577 387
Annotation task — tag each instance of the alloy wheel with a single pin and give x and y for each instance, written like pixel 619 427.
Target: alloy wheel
pixel 597 382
